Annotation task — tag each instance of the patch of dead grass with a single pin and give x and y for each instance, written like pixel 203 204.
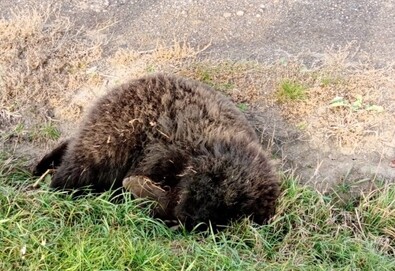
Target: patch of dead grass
pixel 351 128
pixel 176 52
pixel 242 81
pixel 44 60
pixel 127 63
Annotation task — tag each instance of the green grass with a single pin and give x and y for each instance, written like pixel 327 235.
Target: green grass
pixel 49 131
pixel 40 132
pixel 43 230
pixel 217 75
pixel 327 80
pixel 243 107
pixel 291 91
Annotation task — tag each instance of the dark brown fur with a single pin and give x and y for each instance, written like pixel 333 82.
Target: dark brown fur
pixel 180 134
pixel 51 160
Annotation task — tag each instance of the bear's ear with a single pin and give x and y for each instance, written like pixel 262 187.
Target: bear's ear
pixel 51 160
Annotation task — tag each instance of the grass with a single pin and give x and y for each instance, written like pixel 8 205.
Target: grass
pixel 339 99
pixel 44 59
pixel 20 133
pixel 291 91
pixel 44 230
pixel 243 107
pixel 47 131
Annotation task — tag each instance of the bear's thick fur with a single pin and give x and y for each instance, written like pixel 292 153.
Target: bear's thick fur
pixel 179 134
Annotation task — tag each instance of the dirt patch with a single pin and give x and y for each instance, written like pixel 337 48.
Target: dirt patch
pixel 339 129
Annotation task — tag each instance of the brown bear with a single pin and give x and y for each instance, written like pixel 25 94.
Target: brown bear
pixel 179 134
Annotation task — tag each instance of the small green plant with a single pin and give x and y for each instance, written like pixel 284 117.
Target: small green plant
pixel 18 132
pixel 226 86
pixel 343 196
pixel 150 68
pixel 302 125
pixel 48 130
pixel 291 91
pixel 343 187
pixel 243 107
pixel 356 105
pixel 377 211
pixel 19 128
pixel 206 77
pixel 45 131
pixel 328 80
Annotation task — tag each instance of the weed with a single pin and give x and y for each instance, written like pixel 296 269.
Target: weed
pixel 150 69
pixel 36 133
pixel 49 131
pixel 327 80
pixel 243 107
pixel 17 132
pixel 291 91
pixel 356 105
pixel 301 125
pixel 377 211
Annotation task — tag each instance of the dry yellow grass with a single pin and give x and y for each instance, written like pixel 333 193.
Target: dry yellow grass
pixel 349 105
pixel 125 64
pixel 242 81
pixel 359 122
pixel 44 60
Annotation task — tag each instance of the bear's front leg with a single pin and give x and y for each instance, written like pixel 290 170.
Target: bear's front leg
pixel 143 187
